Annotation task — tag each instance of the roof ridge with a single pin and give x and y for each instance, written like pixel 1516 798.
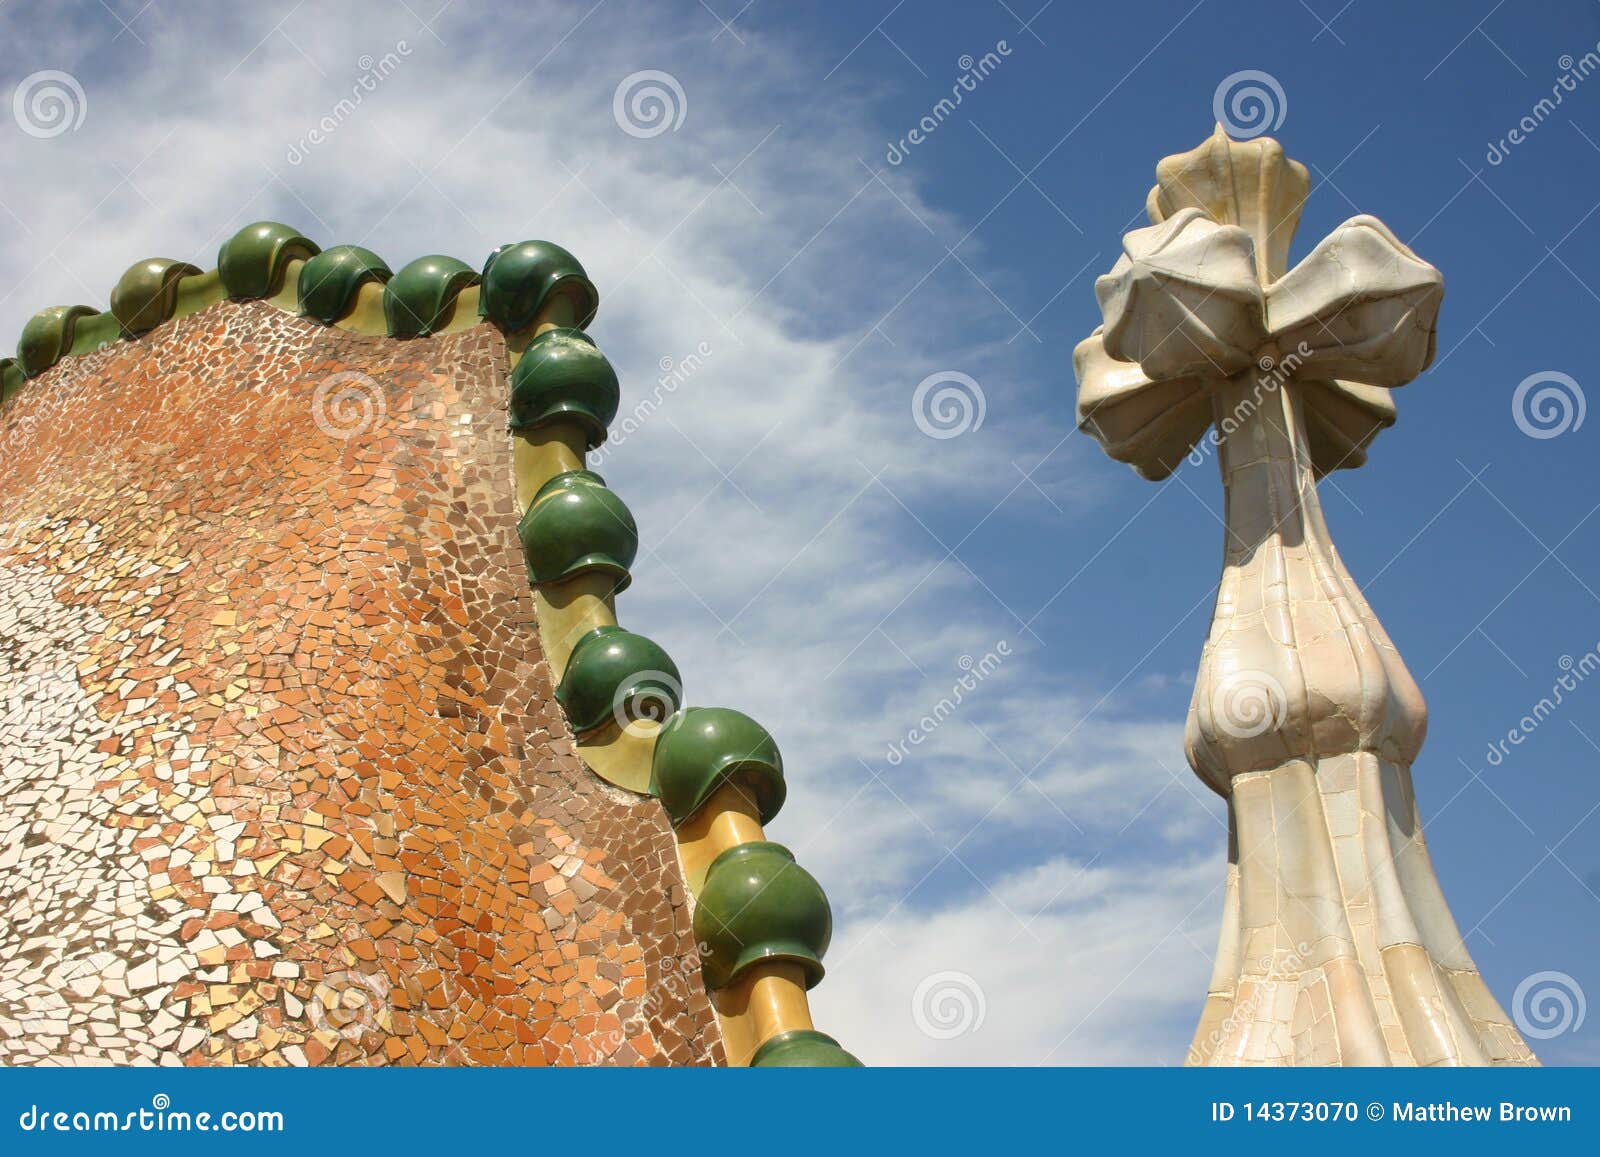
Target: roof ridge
pixel 762 923
pixel 346 286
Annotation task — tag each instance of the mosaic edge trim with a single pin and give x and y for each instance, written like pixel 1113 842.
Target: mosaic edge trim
pixel 719 770
pixel 345 286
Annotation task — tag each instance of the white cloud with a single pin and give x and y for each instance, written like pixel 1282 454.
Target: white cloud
pixel 779 489
pixel 1096 978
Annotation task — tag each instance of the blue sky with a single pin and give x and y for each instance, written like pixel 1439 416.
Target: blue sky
pixel 811 556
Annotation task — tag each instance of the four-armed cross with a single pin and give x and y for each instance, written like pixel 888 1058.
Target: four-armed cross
pixel 1337 945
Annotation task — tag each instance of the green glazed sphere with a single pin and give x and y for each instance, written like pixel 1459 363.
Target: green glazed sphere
pixel 562 377
pixel 47 337
pixel 146 295
pixel 11 378
pixel 802 1048
pixel 575 525
pixel 417 299
pixel 616 674
pixel 758 904
pixel 250 263
pixel 701 748
pixel 330 281
pixel 518 279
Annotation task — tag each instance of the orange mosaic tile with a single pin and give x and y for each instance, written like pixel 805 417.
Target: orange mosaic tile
pixel 285 778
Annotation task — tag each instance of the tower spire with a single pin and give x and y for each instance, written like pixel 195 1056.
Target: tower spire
pixel 1337 946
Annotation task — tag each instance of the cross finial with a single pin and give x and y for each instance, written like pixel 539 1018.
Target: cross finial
pixel 1204 293
pixel 1337 946
pixel 1251 184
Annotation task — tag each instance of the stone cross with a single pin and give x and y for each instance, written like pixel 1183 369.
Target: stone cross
pixel 1337 946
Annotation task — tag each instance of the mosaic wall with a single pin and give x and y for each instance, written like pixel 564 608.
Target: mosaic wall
pixel 282 780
